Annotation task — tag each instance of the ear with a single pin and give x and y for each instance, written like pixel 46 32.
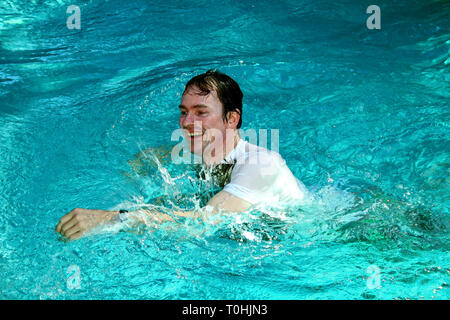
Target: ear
pixel 233 118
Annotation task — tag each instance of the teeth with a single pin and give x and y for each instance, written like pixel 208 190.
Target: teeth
pixel 195 134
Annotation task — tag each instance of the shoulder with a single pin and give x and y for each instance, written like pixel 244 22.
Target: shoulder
pixel 147 158
pixel 257 164
pixel 257 157
pixel 261 175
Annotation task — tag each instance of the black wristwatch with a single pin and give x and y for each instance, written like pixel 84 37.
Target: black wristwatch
pixel 121 219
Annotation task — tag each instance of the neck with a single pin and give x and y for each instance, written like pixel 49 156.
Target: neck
pixel 230 142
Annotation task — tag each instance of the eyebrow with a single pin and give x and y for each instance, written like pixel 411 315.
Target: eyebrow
pixel 197 106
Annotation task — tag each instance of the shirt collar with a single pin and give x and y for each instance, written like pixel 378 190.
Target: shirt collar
pixel 232 156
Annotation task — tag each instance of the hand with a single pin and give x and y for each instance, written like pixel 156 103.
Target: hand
pixel 79 221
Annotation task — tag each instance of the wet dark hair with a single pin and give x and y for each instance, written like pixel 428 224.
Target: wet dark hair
pixel 227 90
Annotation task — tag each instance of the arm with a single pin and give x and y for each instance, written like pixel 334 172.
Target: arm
pixel 222 201
pixel 79 221
pixel 147 159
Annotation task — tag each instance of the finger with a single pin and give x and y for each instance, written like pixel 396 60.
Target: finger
pixel 69 224
pixel 76 235
pixel 72 231
pixel 63 220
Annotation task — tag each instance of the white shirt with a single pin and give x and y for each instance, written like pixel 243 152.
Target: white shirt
pixel 262 176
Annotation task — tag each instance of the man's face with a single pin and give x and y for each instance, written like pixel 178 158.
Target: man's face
pixel 201 116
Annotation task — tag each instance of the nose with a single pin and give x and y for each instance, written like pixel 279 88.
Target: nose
pixel 188 120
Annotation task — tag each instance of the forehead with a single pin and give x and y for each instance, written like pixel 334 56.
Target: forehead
pixel 193 97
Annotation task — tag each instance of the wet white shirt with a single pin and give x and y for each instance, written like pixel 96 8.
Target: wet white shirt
pixel 262 176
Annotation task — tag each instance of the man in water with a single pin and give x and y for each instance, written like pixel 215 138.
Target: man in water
pixel 210 116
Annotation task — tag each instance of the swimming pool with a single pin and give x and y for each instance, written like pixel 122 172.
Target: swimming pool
pixel 363 121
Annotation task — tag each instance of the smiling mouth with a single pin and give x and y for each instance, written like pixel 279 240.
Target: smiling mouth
pixel 195 134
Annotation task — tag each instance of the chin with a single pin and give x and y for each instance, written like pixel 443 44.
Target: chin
pixel 198 151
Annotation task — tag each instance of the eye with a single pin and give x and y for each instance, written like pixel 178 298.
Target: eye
pixel 183 113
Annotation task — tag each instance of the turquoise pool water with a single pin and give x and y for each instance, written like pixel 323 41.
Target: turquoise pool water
pixel 363 121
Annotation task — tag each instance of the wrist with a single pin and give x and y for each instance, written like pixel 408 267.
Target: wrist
pixel 120 215
pixel 110 215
